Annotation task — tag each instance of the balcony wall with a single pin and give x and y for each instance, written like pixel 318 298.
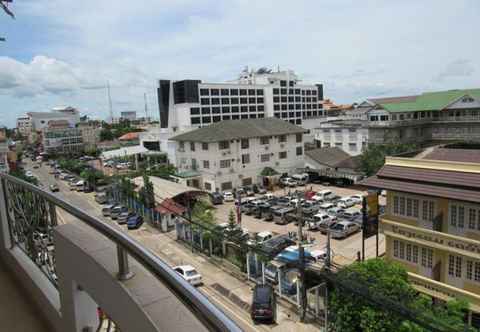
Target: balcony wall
pixel 79 267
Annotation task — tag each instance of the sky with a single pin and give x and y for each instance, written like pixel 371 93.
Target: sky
pixel 62 52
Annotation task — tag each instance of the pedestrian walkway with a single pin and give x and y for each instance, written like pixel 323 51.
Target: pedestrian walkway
pixel 17 311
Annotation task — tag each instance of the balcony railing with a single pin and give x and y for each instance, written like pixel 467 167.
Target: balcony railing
pixel 29 235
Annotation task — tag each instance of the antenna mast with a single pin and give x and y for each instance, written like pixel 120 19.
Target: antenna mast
pixel 146 106
pixel 109 101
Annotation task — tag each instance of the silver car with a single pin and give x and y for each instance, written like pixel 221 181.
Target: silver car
pixel 343 229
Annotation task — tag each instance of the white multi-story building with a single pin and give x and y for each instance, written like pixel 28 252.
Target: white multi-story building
pixel 24 125
pixel 60 138
pixel 3 151
pixel 229 154
pixel 349 135
pixel 39 120
pixel 189 104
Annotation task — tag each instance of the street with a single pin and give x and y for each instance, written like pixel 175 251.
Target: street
pixel 168 249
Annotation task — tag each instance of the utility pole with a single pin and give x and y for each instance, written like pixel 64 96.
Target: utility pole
pixel 239 208
pixel 301 258
pixel 146 105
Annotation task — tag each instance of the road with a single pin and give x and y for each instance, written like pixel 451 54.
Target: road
pixel 168 249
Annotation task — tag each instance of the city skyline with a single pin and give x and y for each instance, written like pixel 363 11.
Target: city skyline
pixel 53 57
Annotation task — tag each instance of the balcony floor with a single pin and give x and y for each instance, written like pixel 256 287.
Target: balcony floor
pixel 17 312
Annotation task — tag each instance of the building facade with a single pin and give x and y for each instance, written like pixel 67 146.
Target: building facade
pixel 349 135
pixel 128 115
pixel 90 133
pixel 433 116
pixel 59 138
pixel 190 104
pixel 24 125
pixel 230 154
pixel 3 151
pixel 432 224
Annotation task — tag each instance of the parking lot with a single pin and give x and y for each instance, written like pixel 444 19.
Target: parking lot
pixel 344 250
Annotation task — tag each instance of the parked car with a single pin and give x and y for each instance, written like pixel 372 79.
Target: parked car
pixel 302 179
pixel 249 191
pixel 228 196
pixel 216 198
pixel 336 212
pixel 259 189
pixel 343 229
pixel 117 210
pixel 288 182
pixel 107 209
pixel 345 202
pixel 325 195
pixel 321 221
pixel 123 217
pixel 310 207
pixel 29 174
pixel 54 188
pixel 353 215
pixel 263 304
pixel 101 198
pixel 134 222
pixel 261 237
pixel 283 201
pixel 279 216
pixel 189 273
pixel 357 199
pixel 326 206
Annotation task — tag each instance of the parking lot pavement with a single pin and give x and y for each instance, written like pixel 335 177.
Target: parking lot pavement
pixel 345 250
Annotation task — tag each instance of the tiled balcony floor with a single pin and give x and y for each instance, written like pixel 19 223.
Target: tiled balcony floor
pixel 17 313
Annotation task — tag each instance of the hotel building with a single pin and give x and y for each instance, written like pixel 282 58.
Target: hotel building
pixel 190 104
pixel 432 222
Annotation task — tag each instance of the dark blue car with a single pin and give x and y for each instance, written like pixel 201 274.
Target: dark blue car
pixel 134 222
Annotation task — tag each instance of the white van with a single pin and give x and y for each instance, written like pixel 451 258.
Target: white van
pixel 324 195
pixel 302 179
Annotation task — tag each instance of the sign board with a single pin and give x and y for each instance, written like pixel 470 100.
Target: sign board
pixel 370 215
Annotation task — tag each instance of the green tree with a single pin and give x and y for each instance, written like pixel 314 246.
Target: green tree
pixel 19 173
pixel 106 135
pixel 373 158
pixel 91 176
pixel 352 313
pixel 147 194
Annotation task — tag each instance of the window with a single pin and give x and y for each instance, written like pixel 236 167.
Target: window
pixel 451 264
pixel 299 151
pixel 225 163
pixel 206 164
pixel 192 146
pixel 402 206
pixel 469 270
pixel 223 145
pixel 395 248
pixel 264 140
pixel 282 155
pixel 458 266
pixel 276 99
pixel 409 253
pixel 205 101
pixel 402 250
pixel 298 138
pixel 265 157
pixel 461 216
pixel 283 99
pixel 396 205
pixel 215 101
pixel 259 92
pixel 195 121
pixel 453 215
pixel 415 254
pixel 251 92
pixel 283 92
pixel 243 100
pixel 260 108
pixel 215 110
pixel 181 146
pixel 194 110
pixel 204 92
pixel 415 208
pixel 225 101
pixel 245 143
pixel 234 109
pixel 217 118
pixel 260 100
pixel 214 92
pixel 472 218
pixel 244 109
pixel 252 108
pixel 245 158
pixel 283 83
pixel 276 91
pixel 234 92
pixel 352 146
pixel 291 83
pixel 251 100
pixel 477 271
pixel 206 119
pixel 225 109
pixel 409 207
pixel 225 92
pixel 429 258
pixel 282 138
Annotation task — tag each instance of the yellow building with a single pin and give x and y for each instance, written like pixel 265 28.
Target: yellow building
pixel 432 222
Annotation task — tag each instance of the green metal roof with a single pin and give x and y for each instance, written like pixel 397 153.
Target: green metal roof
pixel 430 101
pixel 238 129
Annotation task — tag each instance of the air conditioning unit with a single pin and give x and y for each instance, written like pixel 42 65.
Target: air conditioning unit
pixel 282 145
pixel 238 160
pixel 240 176
pixel 277 163
pixel 232 170
pixel 224 154
pixel 267 147
pixel 219 173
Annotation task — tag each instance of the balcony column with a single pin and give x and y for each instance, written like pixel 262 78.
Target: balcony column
pixel 5 241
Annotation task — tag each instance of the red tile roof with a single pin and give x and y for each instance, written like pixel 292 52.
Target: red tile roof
pixel 129 137
pixel 170 206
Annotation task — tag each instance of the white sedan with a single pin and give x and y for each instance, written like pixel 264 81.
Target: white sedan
pixel 189 273
pixel 357 199
pixel 228 196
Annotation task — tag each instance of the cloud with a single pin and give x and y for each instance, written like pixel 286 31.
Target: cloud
pixel 42 75
pixel 457 68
